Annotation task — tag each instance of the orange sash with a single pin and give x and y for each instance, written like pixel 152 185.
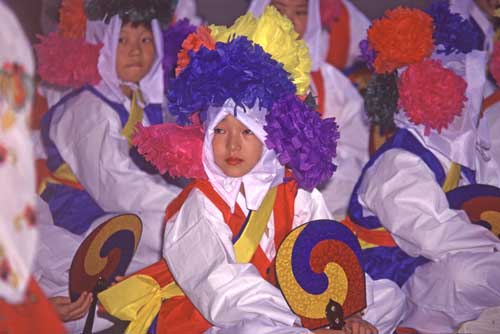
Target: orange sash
pixel 340 39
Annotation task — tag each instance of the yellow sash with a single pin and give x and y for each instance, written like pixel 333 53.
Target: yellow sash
pixel 138 298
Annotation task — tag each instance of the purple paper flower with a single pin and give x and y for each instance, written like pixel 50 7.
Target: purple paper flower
pixel 173 37
pixel 239 70
pixel 367 53
pixel 452 33
pixel 302 140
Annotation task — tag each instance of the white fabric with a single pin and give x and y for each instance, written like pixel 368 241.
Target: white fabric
pixel 343 102
pixel 187 9
pixel 401 190
pixel 17 173
pixel 458 141
pixel 234 297
pixel 267 173
pixel 488 161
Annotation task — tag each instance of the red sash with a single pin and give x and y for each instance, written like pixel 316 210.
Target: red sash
pixel 178 315
pixel 340 39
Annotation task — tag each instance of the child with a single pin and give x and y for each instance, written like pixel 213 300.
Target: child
pixel 254 124
pixel 446 266
pixel 95 175
pixel 337 98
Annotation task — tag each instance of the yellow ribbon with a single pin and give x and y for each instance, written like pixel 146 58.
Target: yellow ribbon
pixel 138 300
pixel 136 115
pixel 452 178
pixel 247 244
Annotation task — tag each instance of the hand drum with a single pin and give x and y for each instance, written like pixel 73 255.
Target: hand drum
pixel 318 268
pixel 105 253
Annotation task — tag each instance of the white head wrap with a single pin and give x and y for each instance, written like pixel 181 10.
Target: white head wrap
pixel 267 173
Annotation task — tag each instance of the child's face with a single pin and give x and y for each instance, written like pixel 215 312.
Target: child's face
pixel 236 148
pixel 135 53
pixel 296 11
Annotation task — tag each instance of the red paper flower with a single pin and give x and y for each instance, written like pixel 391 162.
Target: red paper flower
pixel 67 62
pixel 201 37
pixel 402 37
pixel 172 148
pixel 431 94
pixel 72 19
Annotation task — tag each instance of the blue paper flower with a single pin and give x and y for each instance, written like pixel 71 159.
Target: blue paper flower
pixel 239 70
pixel 172 43
pixel 452 33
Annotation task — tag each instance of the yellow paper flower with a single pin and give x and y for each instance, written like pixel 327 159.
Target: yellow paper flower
pixel 277 36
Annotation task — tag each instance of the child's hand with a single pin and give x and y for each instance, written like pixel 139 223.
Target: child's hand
pixel 356 325
pixel 68 310
pixel 328 331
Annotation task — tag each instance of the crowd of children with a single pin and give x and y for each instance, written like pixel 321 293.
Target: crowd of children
pixel 222 140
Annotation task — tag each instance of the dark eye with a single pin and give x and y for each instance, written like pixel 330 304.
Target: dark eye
pixel 248 132
pixel 301 13
pixel 147 39
pixel 121 40
pixel 219 131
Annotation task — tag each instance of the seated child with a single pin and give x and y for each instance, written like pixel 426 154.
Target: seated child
pixel 337 97
pixel 95 175
pixel 446 265
pixel 254 125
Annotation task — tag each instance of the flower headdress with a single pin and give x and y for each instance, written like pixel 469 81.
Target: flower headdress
pixel 399 48
pixel 257 64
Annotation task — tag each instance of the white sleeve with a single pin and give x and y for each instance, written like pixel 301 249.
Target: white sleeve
pixel 401 190
pixel 89 140
pixel 309 206
pixel 345 104
pixel 201 257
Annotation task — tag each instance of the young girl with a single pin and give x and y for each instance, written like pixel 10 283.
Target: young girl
pixel 95 176
pixel 254 125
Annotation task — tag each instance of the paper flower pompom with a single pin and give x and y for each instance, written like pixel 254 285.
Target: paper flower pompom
pixel 381 100
pixel 67 62
pixel 173 37
pixel 431 95
pixel 302 140
pixel 172 148
pixel 239 70
pixel 402 37
pixel 495 62
pixel 72 19
pixel 193 43
pixel 271 26
pixel 452 33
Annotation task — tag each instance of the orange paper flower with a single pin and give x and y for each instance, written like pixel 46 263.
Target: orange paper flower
pixel 402 37
pixel 72 19
pixel 201 37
